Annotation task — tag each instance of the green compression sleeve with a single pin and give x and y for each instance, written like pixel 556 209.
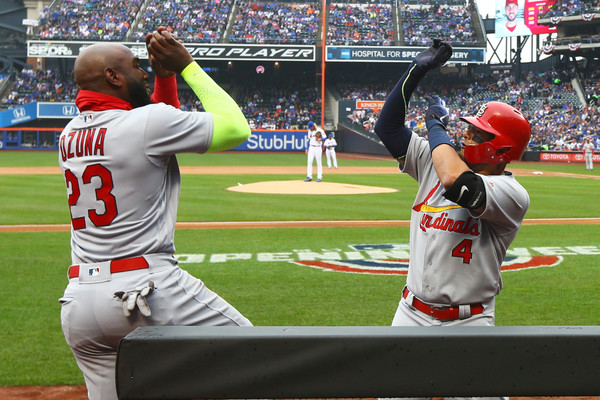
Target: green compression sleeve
pixel 230 127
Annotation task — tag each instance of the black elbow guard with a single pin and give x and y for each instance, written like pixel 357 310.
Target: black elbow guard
pixel 468 191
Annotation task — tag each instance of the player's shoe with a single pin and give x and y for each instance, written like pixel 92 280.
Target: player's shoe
pixel 308 179
pixel 319 180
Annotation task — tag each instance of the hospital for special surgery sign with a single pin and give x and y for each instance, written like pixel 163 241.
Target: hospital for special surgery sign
pixel 199 51
pixel 461 55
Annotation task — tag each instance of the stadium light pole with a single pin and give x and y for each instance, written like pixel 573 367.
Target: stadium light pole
pixel 323 38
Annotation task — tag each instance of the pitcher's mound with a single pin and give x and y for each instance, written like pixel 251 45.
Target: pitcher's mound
pixel 301 187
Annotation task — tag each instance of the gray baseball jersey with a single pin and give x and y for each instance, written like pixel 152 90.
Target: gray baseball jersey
pixel 123 187
pixel 123 180
pixel 455 255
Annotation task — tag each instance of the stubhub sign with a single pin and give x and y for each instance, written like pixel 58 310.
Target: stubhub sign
pixel 275 141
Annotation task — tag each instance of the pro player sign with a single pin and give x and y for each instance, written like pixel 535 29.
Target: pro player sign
pixel 200 51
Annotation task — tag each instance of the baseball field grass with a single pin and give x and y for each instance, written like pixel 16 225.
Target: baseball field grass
pixel 259 270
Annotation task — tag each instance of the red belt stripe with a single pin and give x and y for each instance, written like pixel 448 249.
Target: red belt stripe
pixel 446 313
pixel 126 264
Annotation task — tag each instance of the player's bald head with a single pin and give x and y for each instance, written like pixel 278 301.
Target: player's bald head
pixel 112 69
pixel 92 61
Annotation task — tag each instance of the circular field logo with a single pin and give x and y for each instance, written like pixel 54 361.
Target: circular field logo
pixel 400 266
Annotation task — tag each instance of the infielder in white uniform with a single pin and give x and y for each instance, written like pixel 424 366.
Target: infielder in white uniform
pixel 588 154
pixel 468 209
pixel 314 151
pixel 330 145
pixel 122 178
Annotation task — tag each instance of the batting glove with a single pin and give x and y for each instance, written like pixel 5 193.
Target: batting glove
pixel 435 56
pixel 137 298
pixel 436 119
pixel 436 113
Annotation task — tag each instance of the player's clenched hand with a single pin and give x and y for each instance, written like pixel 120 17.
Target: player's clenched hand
pixel 435 56
pixel 169 52
pixel 437 113
pixel 156 66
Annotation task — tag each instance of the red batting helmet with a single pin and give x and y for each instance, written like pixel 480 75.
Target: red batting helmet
pixel 511 132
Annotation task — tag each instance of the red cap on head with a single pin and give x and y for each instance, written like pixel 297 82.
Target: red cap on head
pixel 512 2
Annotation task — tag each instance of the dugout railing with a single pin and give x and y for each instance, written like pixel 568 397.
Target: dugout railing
pixel 358 362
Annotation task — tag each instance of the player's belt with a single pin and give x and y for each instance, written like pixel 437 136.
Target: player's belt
pixel 126 264
pixel 315 145
pixel 441 313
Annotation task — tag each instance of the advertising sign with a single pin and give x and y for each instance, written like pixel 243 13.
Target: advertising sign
pixel 18 115
pixel 200 51
pixel 57 110
pixel 519 17
pixel 566 157
pixel 374 105
pixel 396 54
pixel 275 141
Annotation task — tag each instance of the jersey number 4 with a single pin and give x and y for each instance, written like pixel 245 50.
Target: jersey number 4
pixel 103 194
pixel 463 250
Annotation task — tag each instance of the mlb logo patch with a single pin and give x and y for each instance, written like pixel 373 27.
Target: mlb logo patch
pixel 94 272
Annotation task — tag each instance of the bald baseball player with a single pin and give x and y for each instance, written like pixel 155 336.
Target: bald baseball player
pixel 468 208
pixel 118 158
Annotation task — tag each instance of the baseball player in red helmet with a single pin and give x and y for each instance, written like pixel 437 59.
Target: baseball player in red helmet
pixel 468 208
pixel 118 160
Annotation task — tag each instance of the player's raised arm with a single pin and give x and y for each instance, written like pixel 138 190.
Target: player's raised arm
pixel 165 82
pixel 448 165
pixel 230 127
pixel 390 126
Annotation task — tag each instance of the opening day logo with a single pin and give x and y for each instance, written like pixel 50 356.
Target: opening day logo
pixel 386 259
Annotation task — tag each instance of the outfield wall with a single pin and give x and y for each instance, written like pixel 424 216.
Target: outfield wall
pixel 39 138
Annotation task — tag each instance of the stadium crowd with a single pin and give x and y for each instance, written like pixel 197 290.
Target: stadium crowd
pixel 275 23
pixel 269 101
pixel 189 21
pixel 362 24
pixel 260 22
pixel 88 19
pixel 568 8
pixel 43 85
pixel 453 23
pixel 279 105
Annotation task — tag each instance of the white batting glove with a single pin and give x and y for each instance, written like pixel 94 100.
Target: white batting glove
pixel 136 297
